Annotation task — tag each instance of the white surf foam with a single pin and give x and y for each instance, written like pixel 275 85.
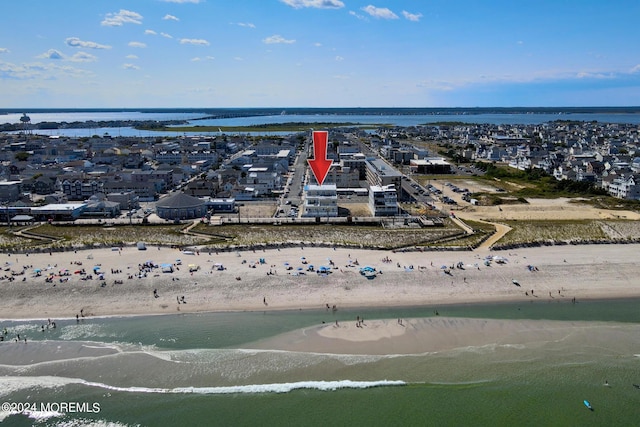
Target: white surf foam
pixel 11 384
pixel 34 415
pixel 259 388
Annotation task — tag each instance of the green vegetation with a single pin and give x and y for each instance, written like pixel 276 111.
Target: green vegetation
pixel 541 231
pixel 538 183
pixel 272 127
pixel 22 156
pixel 79 236
pixel 348 235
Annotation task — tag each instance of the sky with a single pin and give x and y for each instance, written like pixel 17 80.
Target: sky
pixel 318 53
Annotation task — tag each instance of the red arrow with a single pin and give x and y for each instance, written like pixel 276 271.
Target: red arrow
pixel 320 164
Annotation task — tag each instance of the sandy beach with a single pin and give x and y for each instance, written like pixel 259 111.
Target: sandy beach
pixel 56 285
pixel 434 334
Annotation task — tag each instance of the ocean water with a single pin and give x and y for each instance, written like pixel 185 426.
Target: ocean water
pixel 200 369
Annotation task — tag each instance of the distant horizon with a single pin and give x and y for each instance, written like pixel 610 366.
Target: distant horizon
pixel 285 108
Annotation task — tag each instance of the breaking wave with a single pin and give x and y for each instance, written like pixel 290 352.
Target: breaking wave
pixel 16 383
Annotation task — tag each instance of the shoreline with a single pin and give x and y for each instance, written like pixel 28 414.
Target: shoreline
pixel 404 279
pixel 320 309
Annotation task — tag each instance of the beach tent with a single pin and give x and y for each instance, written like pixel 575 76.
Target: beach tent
pixel 141 246
pixel 367 270
pixel 193 267
pixel 167 268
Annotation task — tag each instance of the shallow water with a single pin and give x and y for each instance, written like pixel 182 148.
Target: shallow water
pixel 194 370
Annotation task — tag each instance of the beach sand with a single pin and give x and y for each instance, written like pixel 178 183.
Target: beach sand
pixel 426 335
pixel 554 272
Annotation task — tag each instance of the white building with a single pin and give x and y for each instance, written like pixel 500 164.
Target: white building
pixel 320 201
pixel 625 187
pixel 383 201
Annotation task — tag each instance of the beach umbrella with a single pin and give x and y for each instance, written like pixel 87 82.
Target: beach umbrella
pixel 515 282
pixel 37 270
pixel 96 268
pixel 299 268
pixel 302 258
pixel 286 264
pixel 444 267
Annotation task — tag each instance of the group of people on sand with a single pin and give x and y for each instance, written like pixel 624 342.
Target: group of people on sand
pixel 78 316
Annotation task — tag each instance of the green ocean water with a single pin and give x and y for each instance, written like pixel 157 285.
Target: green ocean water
pixel 196 370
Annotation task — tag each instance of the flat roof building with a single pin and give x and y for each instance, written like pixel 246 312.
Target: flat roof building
pixel 382 174
pixel 383 201
pixel 320 201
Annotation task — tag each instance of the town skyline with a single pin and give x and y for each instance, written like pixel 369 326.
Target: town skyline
pixel 317 53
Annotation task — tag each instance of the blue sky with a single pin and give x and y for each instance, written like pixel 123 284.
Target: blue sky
pixel 318 53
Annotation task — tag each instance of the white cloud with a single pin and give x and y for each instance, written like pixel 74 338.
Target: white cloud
pixel 4 50
pixel 83 57
pixel 197 42
pixel 150 33
pixel 246 24
pixel 277 39
pixel 38 71
pixel 380 12
pixel 122 17
pixel 590 75
pixel 352 13
pixel 317 44
pixel 339 58
pixel 169 36
pixel 415 17
pixel 52 54
pixel 168 17
pixel 137 44
pixel 130 67
pixel 76 42
pixel 318 4
pixel 635 69
pixel 131 56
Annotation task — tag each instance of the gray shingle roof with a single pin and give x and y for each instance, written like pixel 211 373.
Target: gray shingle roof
pixel 179 200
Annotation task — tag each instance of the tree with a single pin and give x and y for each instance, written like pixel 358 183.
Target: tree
pixel 22 156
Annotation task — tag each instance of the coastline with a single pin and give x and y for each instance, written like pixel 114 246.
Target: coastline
pixel 558 273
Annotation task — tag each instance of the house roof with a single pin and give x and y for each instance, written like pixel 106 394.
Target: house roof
pixel 179 200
